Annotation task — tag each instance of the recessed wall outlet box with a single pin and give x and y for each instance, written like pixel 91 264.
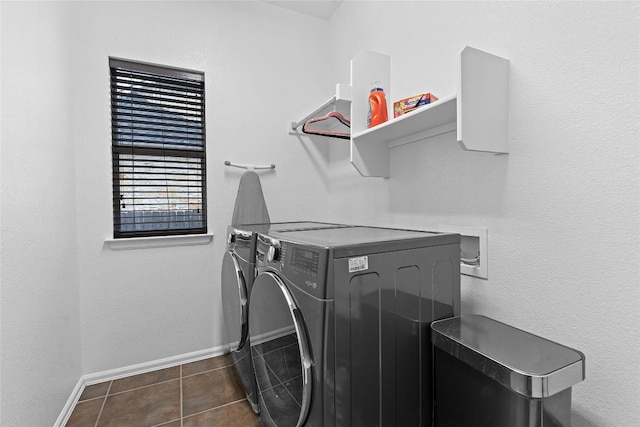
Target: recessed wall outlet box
pixel 473 249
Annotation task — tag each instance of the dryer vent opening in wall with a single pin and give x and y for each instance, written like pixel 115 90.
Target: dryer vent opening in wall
pixel 470 250
pixel 473 249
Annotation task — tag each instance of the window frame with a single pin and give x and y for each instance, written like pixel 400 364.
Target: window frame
pixel 159 152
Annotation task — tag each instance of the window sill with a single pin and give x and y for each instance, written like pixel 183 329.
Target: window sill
pixel 158 242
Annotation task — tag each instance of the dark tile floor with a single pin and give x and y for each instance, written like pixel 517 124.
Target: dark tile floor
pixel 205 393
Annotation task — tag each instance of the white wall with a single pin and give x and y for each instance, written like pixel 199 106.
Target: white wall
pixel 143 305
pixel 40 351
pixel 561 208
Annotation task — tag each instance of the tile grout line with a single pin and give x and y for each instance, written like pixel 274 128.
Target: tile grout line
pixel 103 403
pixel 92 398
pixel 217 407
pixel 181 400
pixel 144 386
pixel 164 423
pixel 208 370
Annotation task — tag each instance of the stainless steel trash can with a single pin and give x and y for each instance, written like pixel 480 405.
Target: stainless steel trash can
pixel 489 374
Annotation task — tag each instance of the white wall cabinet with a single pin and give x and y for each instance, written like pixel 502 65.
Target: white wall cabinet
pixel 479 110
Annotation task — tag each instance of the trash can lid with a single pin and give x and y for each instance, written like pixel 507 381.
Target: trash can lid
pixel 525 363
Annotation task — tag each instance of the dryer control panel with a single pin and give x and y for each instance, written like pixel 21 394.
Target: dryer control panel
pixel 304 261
pixel 300 265
pixel 305 267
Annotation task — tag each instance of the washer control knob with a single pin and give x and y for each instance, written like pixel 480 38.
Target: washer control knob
pixel 273 253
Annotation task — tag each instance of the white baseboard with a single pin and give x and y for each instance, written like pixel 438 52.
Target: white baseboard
pixel 154 365
pixel 70 405
pixel 140 368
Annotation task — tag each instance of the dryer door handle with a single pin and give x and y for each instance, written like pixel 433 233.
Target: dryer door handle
pixel 307 362
pixel 242 294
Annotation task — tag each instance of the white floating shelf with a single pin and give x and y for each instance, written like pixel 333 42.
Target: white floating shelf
pixel 479 111
pixel 421 123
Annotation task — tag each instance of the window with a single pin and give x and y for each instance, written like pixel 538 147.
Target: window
pixel 158 150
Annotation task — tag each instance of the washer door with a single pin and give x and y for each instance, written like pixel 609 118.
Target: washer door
pixel 234 301
pixel 280 351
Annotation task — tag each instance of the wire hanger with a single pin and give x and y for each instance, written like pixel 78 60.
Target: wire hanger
pixel 333 115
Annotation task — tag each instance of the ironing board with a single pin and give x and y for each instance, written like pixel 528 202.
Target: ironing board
pixel 250 206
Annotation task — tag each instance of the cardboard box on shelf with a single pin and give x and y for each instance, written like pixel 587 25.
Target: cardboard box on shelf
pixel 409 104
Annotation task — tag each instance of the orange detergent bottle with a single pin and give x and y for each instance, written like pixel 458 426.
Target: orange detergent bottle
pixel 377 106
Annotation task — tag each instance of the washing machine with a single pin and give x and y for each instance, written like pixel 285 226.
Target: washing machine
pixel 347 341
pixel 238 273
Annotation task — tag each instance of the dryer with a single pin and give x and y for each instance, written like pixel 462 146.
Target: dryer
pixel 238 273
pixel 347 341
